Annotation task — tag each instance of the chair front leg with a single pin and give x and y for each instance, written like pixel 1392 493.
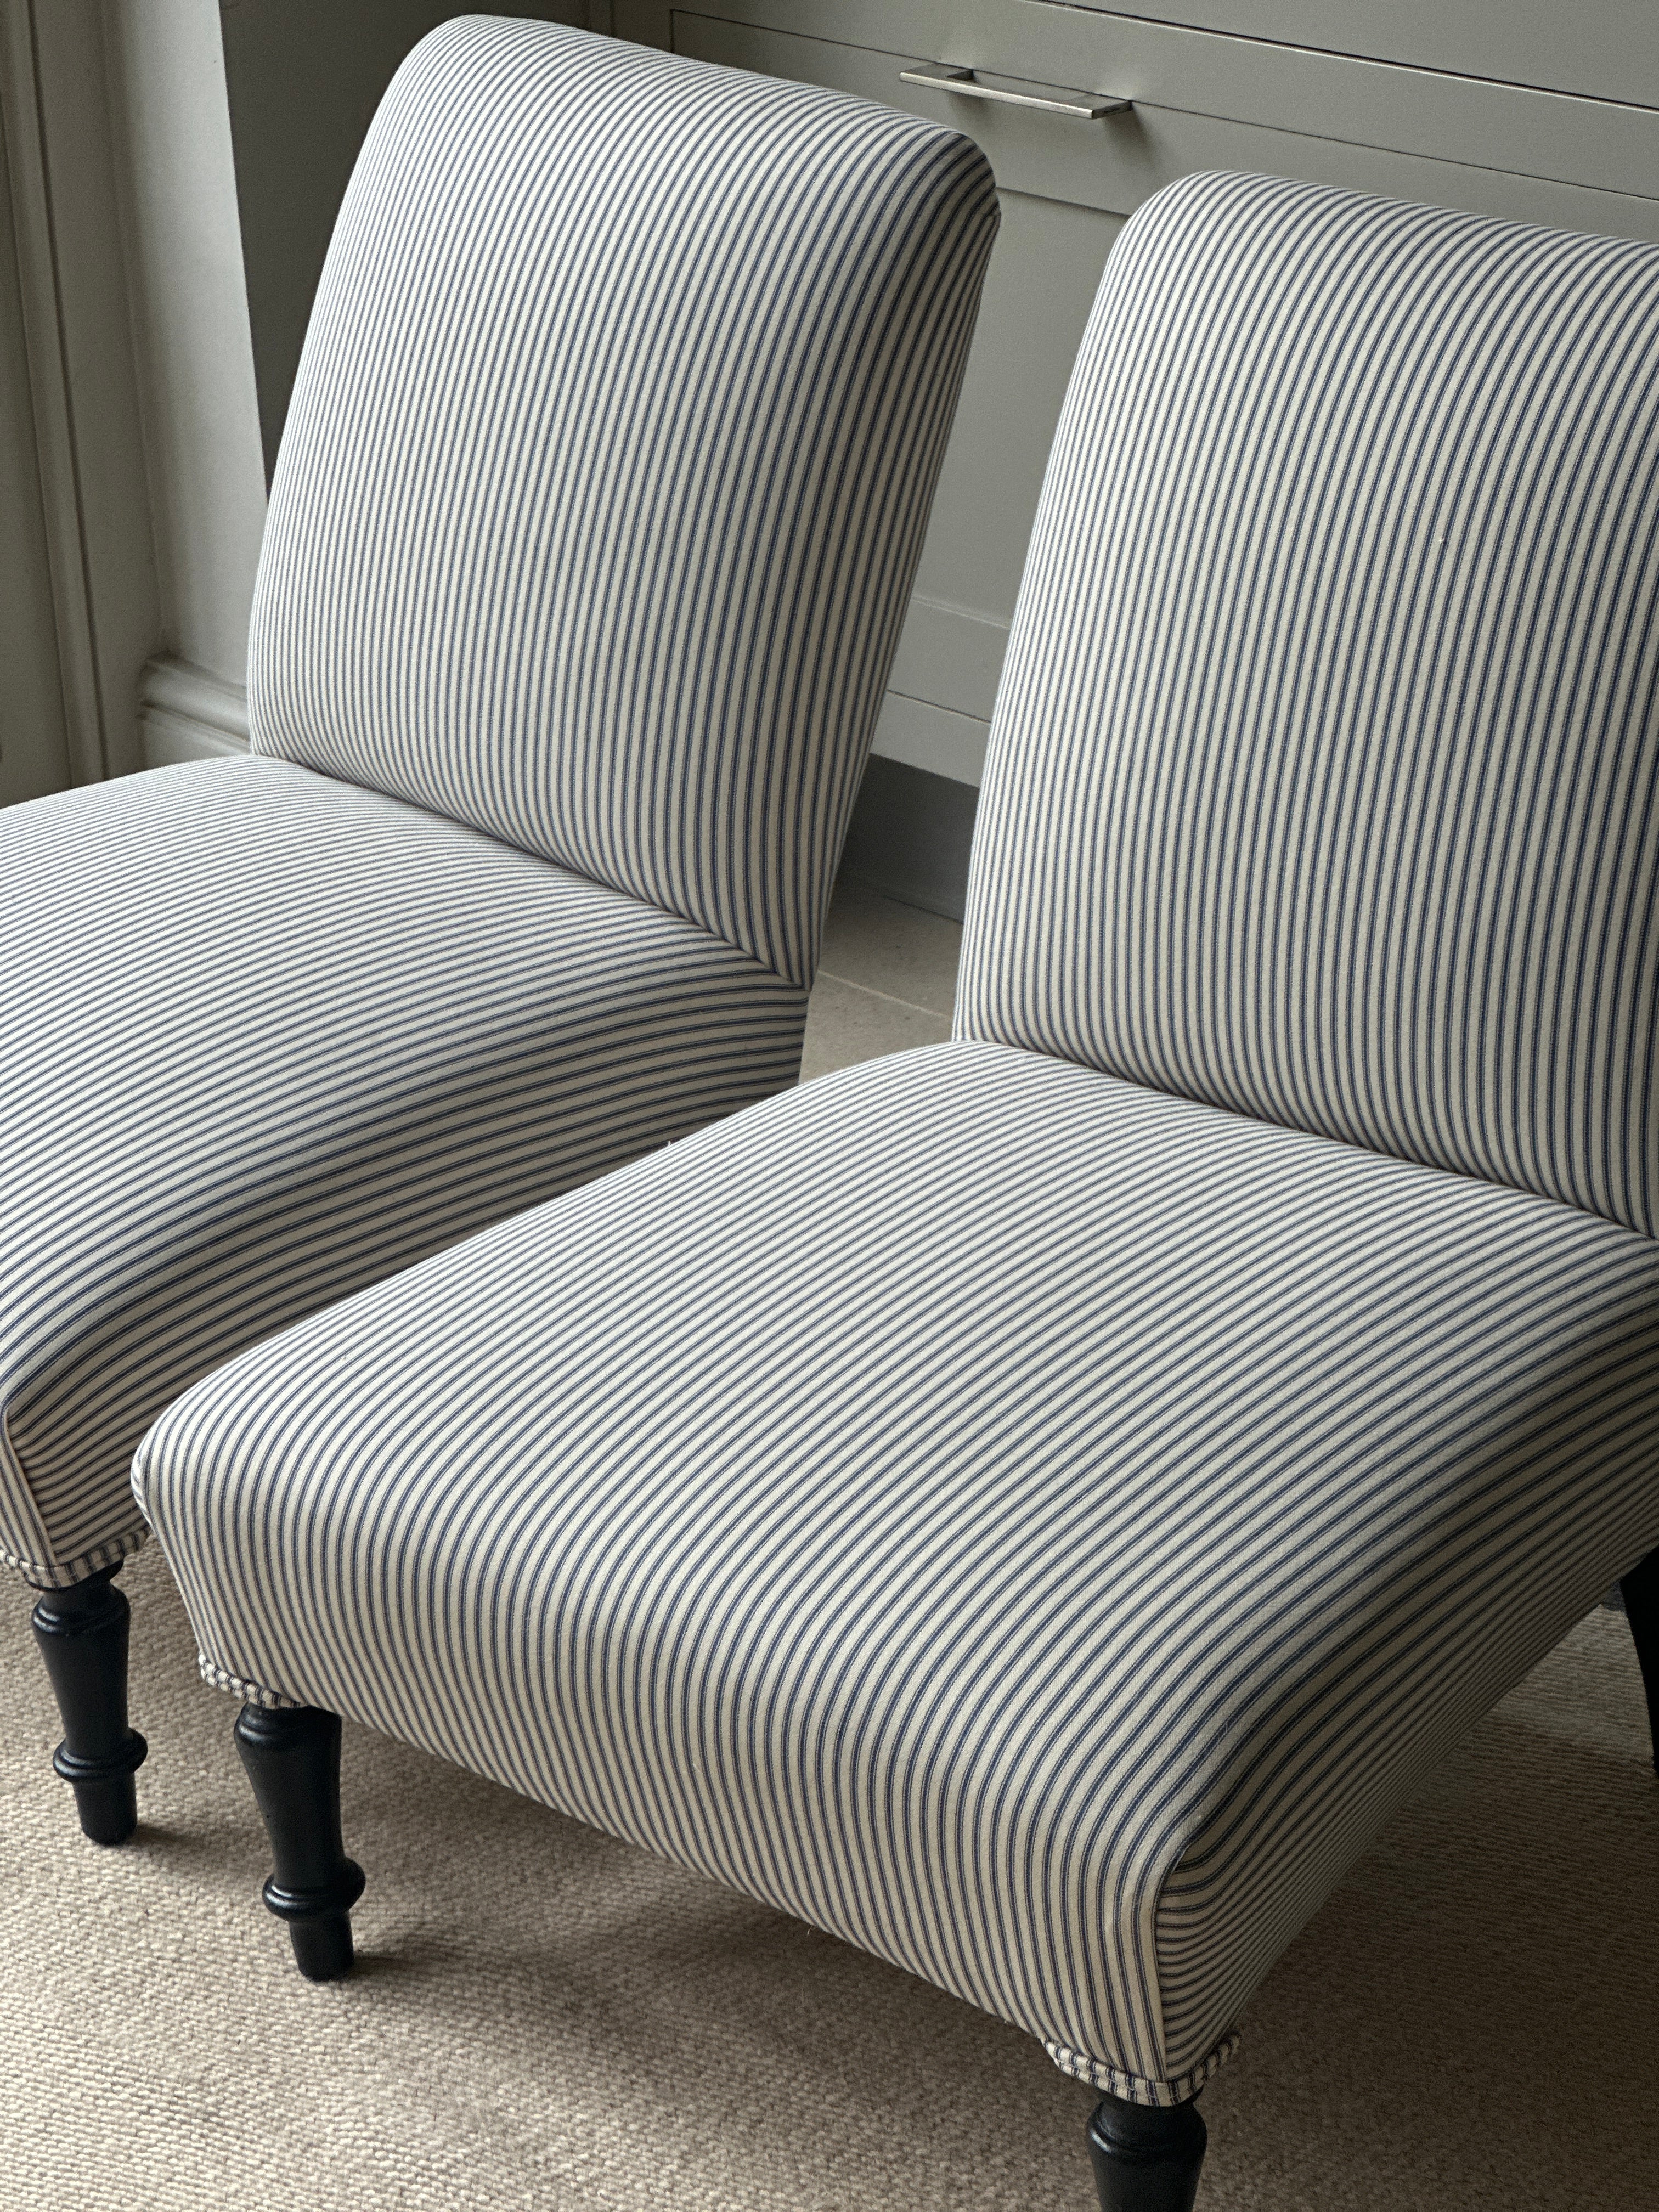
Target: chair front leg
pixel 292 1761
pixel 1147 2157
pixel 1640 1591
pixel 82 1634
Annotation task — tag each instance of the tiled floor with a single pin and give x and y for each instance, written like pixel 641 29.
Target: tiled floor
pixel 886 982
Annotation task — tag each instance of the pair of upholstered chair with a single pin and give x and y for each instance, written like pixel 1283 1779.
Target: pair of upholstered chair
pixel 1267 1278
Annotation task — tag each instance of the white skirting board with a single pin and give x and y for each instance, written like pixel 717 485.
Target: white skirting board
pixel 185 713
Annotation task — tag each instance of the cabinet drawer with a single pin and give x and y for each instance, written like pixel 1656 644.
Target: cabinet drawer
pixel 1201 100
pixel 1607 48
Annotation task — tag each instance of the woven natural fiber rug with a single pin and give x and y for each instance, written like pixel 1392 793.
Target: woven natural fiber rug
pixel 544 2018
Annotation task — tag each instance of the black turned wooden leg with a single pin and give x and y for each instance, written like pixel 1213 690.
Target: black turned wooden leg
pixel 1640 1591
pixel 82 1636
pixel 292 1761
pixel 1146 2156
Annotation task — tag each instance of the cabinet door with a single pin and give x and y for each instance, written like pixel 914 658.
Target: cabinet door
pixel 1200 101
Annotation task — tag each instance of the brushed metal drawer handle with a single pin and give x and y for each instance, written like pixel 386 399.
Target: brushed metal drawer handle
pixel 942 76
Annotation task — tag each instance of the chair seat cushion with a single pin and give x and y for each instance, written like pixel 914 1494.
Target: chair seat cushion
pixel 269 1037
pixel 1032 1526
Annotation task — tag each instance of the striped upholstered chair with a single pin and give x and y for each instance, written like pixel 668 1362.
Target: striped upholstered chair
pixel 1033 1506
pixel 603 486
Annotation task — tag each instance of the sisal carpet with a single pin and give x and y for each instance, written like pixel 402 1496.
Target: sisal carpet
pixel 546 2018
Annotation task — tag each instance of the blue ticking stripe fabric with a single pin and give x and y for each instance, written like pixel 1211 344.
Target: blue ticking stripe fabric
pixel 598 504
pixel 270 1037
pixel 1032 1526
pixel 609 459
pixel 1034 1507
pixel 1324 782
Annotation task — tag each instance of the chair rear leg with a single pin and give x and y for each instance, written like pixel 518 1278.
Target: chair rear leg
pixel 82 1634
pixel 1147 2157
pixel 1640 1591
pixel 292 1761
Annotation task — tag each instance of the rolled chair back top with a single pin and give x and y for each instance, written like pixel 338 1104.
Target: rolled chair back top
pixel 1324 780
pixel 608 460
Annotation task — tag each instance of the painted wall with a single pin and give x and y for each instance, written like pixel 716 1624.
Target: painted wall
pixel 304 79
pixel 234 128
pixel 33 750
pixel 191 337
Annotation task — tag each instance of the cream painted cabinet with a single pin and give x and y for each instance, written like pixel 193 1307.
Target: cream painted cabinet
pixel 1239 84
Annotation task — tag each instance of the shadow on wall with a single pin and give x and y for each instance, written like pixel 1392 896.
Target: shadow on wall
pixel 304 78
pixel 910 836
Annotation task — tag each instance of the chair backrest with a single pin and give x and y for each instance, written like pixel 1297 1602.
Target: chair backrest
pixel 608 464
pixel 1324 781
